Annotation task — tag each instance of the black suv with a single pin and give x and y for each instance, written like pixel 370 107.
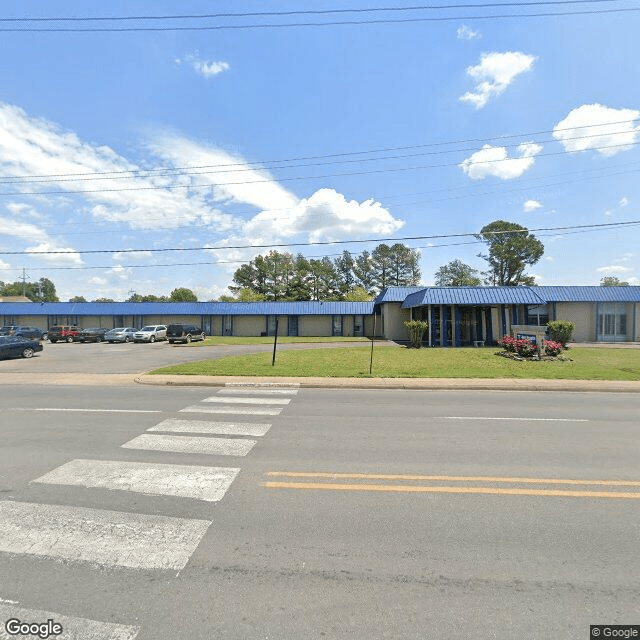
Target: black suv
pixel 184 333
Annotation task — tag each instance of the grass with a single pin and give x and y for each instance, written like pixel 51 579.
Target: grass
pixel 227 340
pixel 400 362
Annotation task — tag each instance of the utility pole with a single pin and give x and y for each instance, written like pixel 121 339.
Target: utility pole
pixel 24 282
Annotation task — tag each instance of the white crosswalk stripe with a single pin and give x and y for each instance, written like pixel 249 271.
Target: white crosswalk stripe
pixel 192 444
pixel 187 481
pixel 242 411
pixel 220 428
pixel 72 628
pixel 240 400
pixel 107 538
pixel 257 392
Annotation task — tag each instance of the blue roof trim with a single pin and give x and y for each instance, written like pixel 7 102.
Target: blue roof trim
pixel 590 294
pixel 473 296
pixel 184 308
pixel 395 294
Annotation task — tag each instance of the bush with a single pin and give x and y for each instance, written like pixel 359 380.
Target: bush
pixel 508 344
pixel 552 348
pixel 561 331
pixel 416 329
pixel 526 348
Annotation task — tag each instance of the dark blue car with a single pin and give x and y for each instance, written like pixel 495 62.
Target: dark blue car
pixel 18 347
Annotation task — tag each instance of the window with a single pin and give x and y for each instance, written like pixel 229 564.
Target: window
pixel 292 326
pixel 538 315
pixel 358 326
pixel 612 320
pixel 336 326
pixel 271 325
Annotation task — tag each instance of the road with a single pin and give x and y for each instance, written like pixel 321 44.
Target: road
pixel 218 513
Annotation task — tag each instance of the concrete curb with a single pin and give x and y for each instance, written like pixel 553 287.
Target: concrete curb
pixel 500 384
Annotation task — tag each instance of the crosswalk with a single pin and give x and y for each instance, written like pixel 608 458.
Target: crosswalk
pixel 140 540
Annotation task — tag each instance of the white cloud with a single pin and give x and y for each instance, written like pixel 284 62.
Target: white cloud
pixel 623 202
pixel 614 268
pixel 467 33
pixel 532 205
pixel 494 161
pixel 607 213
pixel 205 68
pixel 98 281
pixel 70 255
pixel 494 73
pixel 595 126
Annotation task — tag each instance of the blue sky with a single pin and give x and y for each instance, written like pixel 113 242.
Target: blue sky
pixel 191 139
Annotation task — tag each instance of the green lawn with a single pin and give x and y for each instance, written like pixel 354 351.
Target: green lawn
pixel 400 362
pixel 215 340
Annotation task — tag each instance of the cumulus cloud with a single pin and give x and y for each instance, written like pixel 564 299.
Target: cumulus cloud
pixel 595 126
pixel 50 252
pixel 623 202
pixel 205 68
pixel 495 72
pixel 614 268
pixel 467 33
pixel 532 205
pixel 494 161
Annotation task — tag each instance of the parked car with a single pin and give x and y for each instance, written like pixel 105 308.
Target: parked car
pixel 184 333
pixel 31 332
pixel 17 346
pixel 151 333
pixel 120 334
pixel 63 333
pixel 92 334
pixel 7 330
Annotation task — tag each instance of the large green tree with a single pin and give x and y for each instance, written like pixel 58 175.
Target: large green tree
pixel 41 291
pixel 182 294
pixel 511 249
pixel 457 274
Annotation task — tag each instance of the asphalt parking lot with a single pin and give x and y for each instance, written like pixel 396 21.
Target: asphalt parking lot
pixel 131 358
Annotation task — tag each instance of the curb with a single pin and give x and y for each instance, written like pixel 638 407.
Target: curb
pixel 440 384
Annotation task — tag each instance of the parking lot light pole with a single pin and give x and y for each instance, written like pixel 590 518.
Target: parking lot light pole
pixel 275 342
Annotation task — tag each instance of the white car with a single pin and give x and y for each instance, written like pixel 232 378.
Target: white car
pixel 120 334
pixel 151 333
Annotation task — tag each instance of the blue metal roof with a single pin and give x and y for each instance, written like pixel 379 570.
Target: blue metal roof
pixel 473 296
pixel 184 308
pixel 590 294
pixel 395 294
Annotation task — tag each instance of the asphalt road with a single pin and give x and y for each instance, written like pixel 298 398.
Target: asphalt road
pixel 356 514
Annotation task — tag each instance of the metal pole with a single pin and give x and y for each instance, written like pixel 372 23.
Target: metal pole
pixel 373 337
pixel 275 342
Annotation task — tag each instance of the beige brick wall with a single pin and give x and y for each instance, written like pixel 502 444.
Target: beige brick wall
pixel 393 317
pixel 314 325
pixel 250 325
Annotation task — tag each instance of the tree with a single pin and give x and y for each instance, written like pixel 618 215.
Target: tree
pixel 181 294
pixel 243 295
pixel 364 271
pixel 395 266
pixel 77 299
pixel 357 294
pixel 41 291
pixel 511 249
pixel 104 300
pixel 612 281
pixel 457 274
pixel 344 268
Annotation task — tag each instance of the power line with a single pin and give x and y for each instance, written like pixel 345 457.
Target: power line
pixel 297 178
pixel 255 166
pixel 317 243
pixel 238 27
pixel 247 14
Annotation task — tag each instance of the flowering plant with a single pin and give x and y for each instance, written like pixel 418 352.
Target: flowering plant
pixel 526 348
pixel 508 344
pixel 552 348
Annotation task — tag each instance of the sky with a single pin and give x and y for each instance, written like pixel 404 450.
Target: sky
pixel 145 160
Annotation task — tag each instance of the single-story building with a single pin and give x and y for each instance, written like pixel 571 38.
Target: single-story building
pixel 457 316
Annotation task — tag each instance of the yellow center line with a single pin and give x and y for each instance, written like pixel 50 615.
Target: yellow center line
pixel 461 490
pixel 381 476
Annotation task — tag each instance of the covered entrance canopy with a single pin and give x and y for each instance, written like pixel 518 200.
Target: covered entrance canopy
pixel 461 316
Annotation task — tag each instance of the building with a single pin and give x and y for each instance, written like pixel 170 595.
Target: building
pixel 457 316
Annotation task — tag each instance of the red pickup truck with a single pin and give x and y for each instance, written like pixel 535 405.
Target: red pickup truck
pixel 64 333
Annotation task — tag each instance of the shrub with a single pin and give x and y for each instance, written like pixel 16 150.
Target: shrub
pixel 561 331
pixel 526 348
pixel 416 329
pixel 552 348
pixel 508 344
